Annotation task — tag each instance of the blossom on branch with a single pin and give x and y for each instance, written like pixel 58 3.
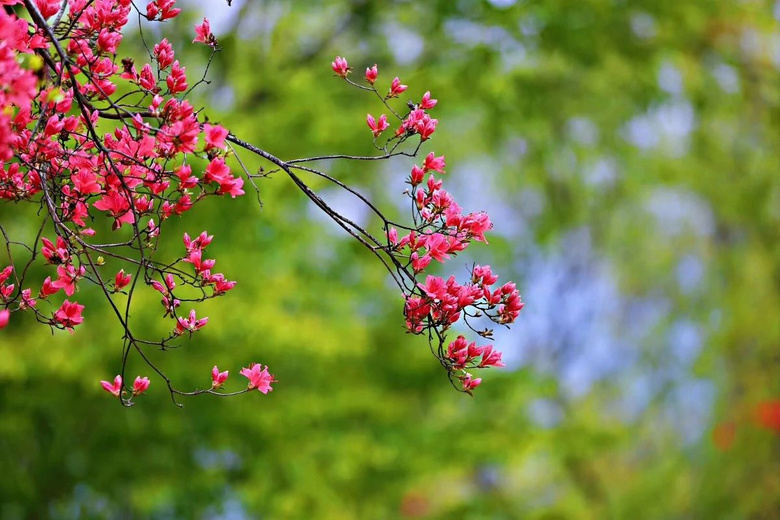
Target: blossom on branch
pixel 340 66
pixel 377 126
pixel 140 385
pixel 203 34
pixel 259 378
pixel 218 378
pixel 114 387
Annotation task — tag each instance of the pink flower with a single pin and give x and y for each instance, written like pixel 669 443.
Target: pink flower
pixel 52 254
pixel 438 246
pixel 121 280
pixel 491 358
pixel 218 378
pixel 417 175
pixel 218 171
pixel 140 385
pixel 5 316
pixel 162 7
pixel 117 206
pixel 200 242
pixel 195 257
pixel 215 136
pixel 113 388
pixel 377 126
pixel 427 103
pixel 5 273
pixel 258 377
pixel 203 34
pixel 48 288
pixel 85 182
pixel 48 8
pixel 340 66
pixel 477 224
pixel 69 315
pixel 420 263
pixel 371 74
pixel 218 280
pixel 163 52
pixel 392 236
pixel 68 276
pixel 470 384
pixel 435 164
pixel 396 88
pixel 177 79
pixel 435 287
pixel 483 275
pixel 426 126
pixel 27 300
pixel 191 323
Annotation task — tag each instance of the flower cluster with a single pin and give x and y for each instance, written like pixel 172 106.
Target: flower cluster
pixel 259 379
pixel 109 150
pixel 440 231
pixel 130 180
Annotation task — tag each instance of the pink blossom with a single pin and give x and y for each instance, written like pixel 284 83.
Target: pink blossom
pixel 121 280
pixel 113 388
pixel 426 126
pixel 5 316
pixel 52 254
pixel 48 8
pixel 392 236
pixel 5 273
pixel 218 378
pixel 371 74
pixel 200 242
pixel 203 34
pixel 69 315
pixel 117 206
pixel 435 164
pixel 259 378
pixel 195 257
pixel 396 88
pixel 6 291
pixel 27 300
pixel 177 79
pixel 417 175
pixel 147 80
pixel 377 126
pixel 48 288
pixel 218 280
pixel 340 66
pixel 163 8
pixel 483 275
pixel 218 171
pixel 491 358
pixel 140 385
pixel 435 287
pixel 477 224
pixel 190 324
pixel 163 52
pixel 427 103
pixel 438 246
pixel 420 263
pixel 68 276
pixel 184 173
pixel 85 182
pixel 215 136
pixel 469 384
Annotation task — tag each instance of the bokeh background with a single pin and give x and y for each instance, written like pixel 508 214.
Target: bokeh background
pixel 627 152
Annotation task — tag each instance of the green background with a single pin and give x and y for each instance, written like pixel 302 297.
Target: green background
pixel 628 155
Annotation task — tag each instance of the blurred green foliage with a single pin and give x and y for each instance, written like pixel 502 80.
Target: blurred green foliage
pixel 629 151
